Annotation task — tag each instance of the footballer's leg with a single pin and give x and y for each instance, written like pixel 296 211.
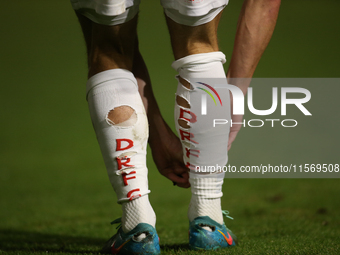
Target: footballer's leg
pixel 197 56
pixel 120 122
pixel 163 142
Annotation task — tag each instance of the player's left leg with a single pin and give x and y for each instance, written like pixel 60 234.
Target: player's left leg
pixel 163 142
pixel 121 127
pixel 195 47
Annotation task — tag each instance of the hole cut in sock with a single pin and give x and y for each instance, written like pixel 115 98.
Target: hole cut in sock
pixel 122 116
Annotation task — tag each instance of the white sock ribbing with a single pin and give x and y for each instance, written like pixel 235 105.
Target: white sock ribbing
pixel 137 211
pixel 206 197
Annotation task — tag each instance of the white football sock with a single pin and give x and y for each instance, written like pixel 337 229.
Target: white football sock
pixel 123 145
pixel 202 144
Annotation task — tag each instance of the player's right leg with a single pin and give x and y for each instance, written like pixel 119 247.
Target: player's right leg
pixel 193 32
pixel 119 119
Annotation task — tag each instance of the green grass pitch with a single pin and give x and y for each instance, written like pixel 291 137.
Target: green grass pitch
pixel 55 197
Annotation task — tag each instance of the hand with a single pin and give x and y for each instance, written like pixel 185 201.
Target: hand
pixel 165 146
pixel 168 155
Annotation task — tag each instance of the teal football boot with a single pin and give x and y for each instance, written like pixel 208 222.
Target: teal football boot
pixel 207 234
pixel 143 239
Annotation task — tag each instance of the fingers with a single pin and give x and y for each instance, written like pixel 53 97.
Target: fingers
pixel 180 180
